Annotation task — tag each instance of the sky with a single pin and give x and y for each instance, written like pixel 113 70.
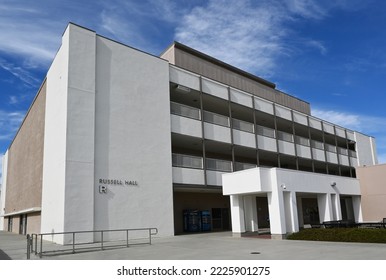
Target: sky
pixel 328 53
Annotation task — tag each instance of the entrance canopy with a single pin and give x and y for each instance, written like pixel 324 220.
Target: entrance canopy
pixel 284 189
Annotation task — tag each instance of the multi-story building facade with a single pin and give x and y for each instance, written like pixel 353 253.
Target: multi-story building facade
pixel 118 138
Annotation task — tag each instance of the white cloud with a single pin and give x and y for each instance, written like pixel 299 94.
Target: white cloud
pixel 252 35
pixel 359 122
pixel 20 73
pixel 369 125
pixel 10 123
pixel 307 8
pixel 241 33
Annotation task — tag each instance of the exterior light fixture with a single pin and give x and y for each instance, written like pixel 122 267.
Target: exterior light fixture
pixel 333 184
pixel 182 89
pixel 283 186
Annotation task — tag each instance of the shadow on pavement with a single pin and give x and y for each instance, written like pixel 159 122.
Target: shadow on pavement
pixel 4 256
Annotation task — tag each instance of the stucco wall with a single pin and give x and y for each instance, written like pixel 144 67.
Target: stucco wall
pixel 373 191
pixel 25 160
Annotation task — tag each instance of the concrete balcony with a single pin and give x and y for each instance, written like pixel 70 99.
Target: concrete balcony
pixel 215 89
pixel 315 123
pixel 344 160
pixel 329 128
pixel 303 151
pixel 214 178
pixel 266 143
pixel 332 157
pixel 283 112
pixel 354 162
pixel 244 138
pixel 217 132
pixel 184 78
pixel 241 98
pixel 263 105
pixel 300 118
pixel 318 154
pixel 190 176
pixel 287 148
pixel 186 126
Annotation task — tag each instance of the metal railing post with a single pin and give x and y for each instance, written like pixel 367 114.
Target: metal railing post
pixel 102 239
pixel 73 242
pixel 127 238
pixel 36 244
pixel 41 246
pixel 150 236
pixel 28 247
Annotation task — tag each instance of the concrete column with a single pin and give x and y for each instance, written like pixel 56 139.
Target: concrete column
pixel 356 203
pixel 250 212
pixel 237 214
pixel 336 208
pixel 276 212
pixel 325 207
pixel 291 212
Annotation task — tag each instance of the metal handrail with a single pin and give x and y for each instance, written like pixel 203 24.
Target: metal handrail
pixel 34 239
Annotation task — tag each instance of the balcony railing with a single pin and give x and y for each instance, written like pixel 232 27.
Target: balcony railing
pixel 216 118
pixel 218 165
pixel 179 160
pixel 243 125
pixel 185 111
pixel 302 141
pixel 210 117
pixel 243 166
pixel 343 151
pixel 265 131
pixel 352 153
pixel 317 145
pixel 330 148
pixel 284 136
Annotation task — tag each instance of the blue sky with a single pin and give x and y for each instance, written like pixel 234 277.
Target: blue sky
pixel 329 53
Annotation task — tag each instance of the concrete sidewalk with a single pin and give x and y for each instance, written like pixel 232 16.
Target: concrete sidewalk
pixel 211 246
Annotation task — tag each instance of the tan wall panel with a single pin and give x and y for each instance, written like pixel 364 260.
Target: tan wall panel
pixel 33 223
pixel 216 72
pixel 25 160
pixel 373 191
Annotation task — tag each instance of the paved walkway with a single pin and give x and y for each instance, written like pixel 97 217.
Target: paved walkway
pixel 211 246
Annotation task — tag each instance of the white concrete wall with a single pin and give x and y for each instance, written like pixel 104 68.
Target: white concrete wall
pixel 132 138
pixel 79 192
pixel 366 150
pixel 3 189
pixel 55 135
pixel 317 183
pixel 248 181
pixel 68 162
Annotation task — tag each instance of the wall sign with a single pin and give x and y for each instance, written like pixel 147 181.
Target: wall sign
pixel 103 183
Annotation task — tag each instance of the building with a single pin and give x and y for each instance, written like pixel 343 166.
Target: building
pixel 118 138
